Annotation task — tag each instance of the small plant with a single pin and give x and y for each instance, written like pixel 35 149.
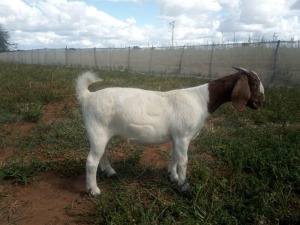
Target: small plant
pixel 23 171
pixel 31 112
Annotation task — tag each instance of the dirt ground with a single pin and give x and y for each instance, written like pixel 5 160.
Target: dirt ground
pixel 51 198
pixel 46 200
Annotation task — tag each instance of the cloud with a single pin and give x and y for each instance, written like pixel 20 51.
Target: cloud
pixel 194 19
pixel 296 5
pixel 61 22
pixel 135 1
pixel 262 18
pixel 258 12
pixel 174 8
pixel 212 19
pixel 57 23
pixel 131 20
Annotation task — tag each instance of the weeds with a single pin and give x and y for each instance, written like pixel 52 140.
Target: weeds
pixel 250 174
pixel 22 171
pixel 31 112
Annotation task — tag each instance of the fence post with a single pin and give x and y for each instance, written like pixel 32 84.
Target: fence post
pixel 275 62
pixel 18 57
pixel 211 59
pixel 66 56
pixel 45 57
pixel 180 61
pixel 80 61
pixel 31 58
pixel 95 58
pixel 110 59
pixel 128 62
pixel 38 62
pixel 150 59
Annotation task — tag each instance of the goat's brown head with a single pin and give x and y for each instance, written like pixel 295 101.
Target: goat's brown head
pixel 248 90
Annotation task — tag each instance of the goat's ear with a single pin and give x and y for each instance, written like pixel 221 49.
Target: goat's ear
pixel 241 93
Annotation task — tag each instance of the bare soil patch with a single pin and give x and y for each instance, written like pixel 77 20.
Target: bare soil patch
pixel 156 156
pixel 54 111
pixel 47 200
pixel 50 197
pixel 9 133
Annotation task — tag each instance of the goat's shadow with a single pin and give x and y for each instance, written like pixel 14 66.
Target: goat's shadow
pixel 132 173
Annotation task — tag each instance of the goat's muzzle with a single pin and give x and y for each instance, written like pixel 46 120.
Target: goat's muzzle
pixel 257 102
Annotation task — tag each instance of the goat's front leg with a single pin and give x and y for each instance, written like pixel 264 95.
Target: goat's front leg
pixel 179 152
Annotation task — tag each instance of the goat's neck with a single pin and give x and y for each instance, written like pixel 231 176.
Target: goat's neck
pixel 220 91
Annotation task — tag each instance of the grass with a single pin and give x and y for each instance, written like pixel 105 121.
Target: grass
pixel 243 169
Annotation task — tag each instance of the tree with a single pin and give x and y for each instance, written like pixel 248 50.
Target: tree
pixel 4 40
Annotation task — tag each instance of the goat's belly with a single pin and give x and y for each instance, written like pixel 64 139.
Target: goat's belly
pixel 145 133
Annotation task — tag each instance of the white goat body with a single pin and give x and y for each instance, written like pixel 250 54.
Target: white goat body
pixel 141 116
pixel 146 116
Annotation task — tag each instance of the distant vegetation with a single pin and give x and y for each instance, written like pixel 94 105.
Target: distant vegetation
pixel 5 40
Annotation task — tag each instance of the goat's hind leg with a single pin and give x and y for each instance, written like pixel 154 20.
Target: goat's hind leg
pixel 172 168
pixel 96 153
pixel 105 165
pixel 91 171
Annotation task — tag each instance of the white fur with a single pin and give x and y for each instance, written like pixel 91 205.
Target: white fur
pixel 141 116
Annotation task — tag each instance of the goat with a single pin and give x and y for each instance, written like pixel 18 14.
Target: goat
pixel 155 117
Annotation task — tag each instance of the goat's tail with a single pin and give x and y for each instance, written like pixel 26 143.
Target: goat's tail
pixel 83 82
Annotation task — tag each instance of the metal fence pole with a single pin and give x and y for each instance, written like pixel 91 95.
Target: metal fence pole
pixel 110 59
pixel 95 58
pixel 18 57
pixel 180 60
pixel 45 57
pixel 150 59
pixel 66 55
pixel 128 62
pixel 275 62
pixel 210 61
pixel 38 62
pixel 31 58
pixel 80 61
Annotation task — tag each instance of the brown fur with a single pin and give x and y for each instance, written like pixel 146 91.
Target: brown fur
pixel 241 93
pixel 241 88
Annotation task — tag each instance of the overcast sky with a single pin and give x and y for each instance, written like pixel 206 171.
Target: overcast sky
pixel 36 24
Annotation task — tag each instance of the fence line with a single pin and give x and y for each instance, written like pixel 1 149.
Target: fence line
pixel 276 62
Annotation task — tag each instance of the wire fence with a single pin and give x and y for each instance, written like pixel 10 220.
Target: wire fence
pixel 276 62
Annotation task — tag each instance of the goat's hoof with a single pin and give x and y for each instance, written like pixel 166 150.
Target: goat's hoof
pixel 111 173
pixel 173 178
pixel 184 187
pixel 94 192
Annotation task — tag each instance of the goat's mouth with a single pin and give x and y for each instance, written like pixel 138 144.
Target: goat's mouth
pixel 255 104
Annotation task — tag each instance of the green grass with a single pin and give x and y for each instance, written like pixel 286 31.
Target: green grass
pixel 251 174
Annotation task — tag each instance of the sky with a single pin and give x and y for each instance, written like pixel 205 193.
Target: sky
pixel 37 24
